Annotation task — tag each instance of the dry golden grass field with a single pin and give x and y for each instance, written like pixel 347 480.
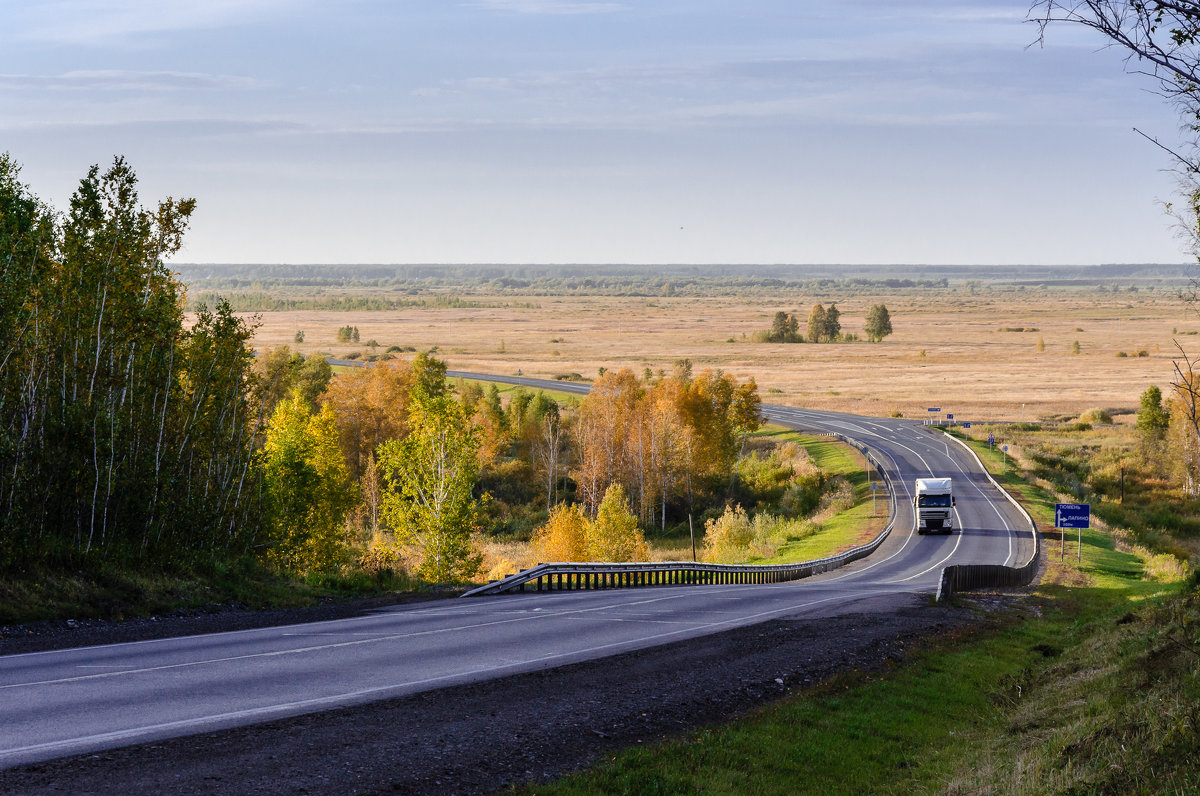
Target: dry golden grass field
pixel 949 348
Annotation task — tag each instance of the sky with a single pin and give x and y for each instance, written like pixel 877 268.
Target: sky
pixel 598 131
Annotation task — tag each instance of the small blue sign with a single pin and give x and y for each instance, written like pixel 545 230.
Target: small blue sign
pixel 1072 515
pixel 967 424
pixel 949 417
pixel 935 409
pixel 992 440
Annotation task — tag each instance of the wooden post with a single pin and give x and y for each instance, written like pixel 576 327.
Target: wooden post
pixel 692 533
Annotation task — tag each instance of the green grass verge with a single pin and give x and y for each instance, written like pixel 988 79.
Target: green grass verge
pixel 838 530
pixel 506 389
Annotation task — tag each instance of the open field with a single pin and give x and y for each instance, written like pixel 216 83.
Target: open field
pixel 949 348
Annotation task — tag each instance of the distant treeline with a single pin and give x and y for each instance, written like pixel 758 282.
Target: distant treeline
pixel 246 285
pixel 265 302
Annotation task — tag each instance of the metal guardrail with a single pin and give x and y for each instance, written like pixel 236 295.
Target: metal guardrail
pixel 565 576
pixel 964 577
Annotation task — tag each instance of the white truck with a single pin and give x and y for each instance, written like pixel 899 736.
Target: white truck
pixel 934 505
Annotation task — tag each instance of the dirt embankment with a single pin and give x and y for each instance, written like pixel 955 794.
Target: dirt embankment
pixel 479 738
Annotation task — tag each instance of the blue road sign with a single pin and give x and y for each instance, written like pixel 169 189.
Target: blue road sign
pixel 949 417
pixel 1072 515
pixel 992 439
pixel 935 409
pixel 967 424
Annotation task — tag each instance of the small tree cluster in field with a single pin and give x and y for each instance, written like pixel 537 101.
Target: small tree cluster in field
pixel 824 325
pixel 785 328
pixel 347 334
pixel 878 324
pixel 299 336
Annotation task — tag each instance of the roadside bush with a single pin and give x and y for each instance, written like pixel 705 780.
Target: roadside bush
pixel 838 496
pixel 727 537
pixel 564 536
pixel 802 495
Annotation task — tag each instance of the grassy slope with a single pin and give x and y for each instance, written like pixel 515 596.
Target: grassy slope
pixel 1088 687
pixel 837 530
pixel 113 592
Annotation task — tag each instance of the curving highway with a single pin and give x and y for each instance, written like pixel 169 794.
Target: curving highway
pixel 54 704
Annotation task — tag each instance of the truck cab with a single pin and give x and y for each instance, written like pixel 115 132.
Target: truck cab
pixel 933 504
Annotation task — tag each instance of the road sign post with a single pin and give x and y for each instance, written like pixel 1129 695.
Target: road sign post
pixel 1072 515
pixel 875 498
pixel 1004 452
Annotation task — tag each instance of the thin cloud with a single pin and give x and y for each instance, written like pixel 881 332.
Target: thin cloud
pixel 547 7
pixel 127 80
pixel 88 22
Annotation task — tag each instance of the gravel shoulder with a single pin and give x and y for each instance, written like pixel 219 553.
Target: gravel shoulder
pixel 483 737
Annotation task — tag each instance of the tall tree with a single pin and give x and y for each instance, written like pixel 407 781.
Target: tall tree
pixel 371 406
pixel 308 488
pixel 614 535
pixel 1152 418
pixel 878 324
pixel 833 323
pixel 430 475
pixel 816 324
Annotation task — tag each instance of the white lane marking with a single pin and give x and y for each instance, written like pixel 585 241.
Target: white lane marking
pixel 911 531
pixel 301 705
pixel 1011 531
pixel 852 427
pixel 950 555
pixel 914 453
pixel 675 595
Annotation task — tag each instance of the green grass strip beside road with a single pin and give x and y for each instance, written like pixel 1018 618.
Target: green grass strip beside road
pixel 838 530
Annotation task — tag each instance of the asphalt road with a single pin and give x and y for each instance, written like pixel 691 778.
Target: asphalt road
pixel 60 703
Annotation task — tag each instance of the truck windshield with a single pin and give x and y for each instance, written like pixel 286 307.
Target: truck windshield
pixel 934 501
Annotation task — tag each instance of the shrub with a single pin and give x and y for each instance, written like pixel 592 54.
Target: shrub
pixel 727 537
pixel 1096 416
pixel 564 536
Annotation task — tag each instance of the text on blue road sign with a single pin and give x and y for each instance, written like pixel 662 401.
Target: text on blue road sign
pixel 1072 515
